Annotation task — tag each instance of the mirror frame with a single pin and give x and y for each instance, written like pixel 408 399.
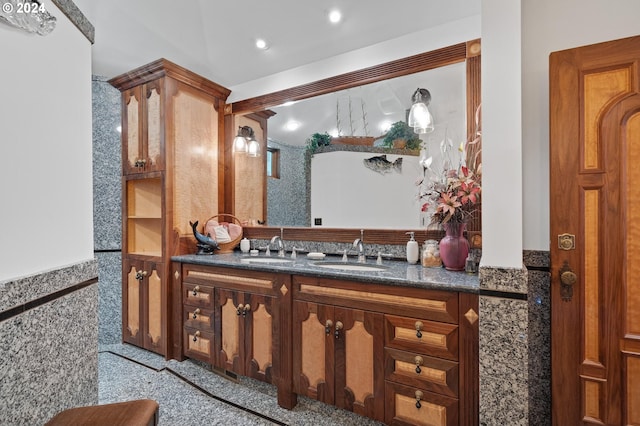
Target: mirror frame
pixel 468 52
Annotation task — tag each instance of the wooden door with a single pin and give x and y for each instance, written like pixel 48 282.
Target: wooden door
pixel 260 326
pixel 228 325
pixel 595 233
pixel 359 361
pixel 132 316
pixel 313 351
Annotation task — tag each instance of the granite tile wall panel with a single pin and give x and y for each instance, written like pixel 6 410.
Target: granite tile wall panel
pixel 19 291
pixel 49 358
pixel 512 280
pixel 110 297
pixel 503 362
pixel 288 203
pixel 107 166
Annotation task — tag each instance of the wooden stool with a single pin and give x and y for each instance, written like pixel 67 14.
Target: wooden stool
pixel 142 412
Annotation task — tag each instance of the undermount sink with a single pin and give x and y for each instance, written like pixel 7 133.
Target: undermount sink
pixel 351 266
pixel 265 260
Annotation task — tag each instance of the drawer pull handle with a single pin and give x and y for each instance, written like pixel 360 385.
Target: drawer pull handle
pixel 418 398
pixel 247 308
pixel 419 362
pixel 327 327
pixel 239 309
pixel 195 313
pixel 196 335
pixel 338 328
pixel 196 289
pixel 419 326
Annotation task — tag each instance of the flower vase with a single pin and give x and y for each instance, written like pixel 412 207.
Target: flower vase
pixel 454 248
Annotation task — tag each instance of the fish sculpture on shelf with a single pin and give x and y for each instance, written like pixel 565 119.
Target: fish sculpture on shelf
pixel 206 244
pixel 380 164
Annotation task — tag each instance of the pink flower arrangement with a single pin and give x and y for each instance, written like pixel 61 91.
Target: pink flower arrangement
pixel 455 199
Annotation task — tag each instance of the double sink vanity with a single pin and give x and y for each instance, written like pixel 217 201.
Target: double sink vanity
pixel 392 341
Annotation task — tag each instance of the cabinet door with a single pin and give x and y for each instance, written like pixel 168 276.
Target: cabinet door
pixel 313 351
pixel 132 131
pixel 143 298
pixel 142 130
pixel 153 307
pixel 152 141
pixel 229 315
pixel 260 328
pixel 132 272
pixel 359 365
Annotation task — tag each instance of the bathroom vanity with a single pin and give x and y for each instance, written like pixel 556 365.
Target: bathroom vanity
pixel 394 342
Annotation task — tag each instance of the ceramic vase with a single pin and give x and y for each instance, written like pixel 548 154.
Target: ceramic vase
pixel 454 248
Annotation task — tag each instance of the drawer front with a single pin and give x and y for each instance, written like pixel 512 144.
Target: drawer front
pixel 422 371
pixel 406 405
pixel 197 295
pixel 198 344
pixel 421 336
pixel 196 317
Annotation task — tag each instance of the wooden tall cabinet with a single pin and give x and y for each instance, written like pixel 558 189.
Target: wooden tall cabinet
pixel 172 165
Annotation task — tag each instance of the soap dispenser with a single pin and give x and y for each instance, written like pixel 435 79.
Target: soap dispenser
pixel 412 249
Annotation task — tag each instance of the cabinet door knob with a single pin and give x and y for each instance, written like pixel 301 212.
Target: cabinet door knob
pixel 419 326
pixel 247 308
pixel 195 313
pixel 327 326
pixel 196 289
pixel 419 395
pixel 419 361
pixel 196 335
pixel 140 275
pixel 339 326
pixel 239 309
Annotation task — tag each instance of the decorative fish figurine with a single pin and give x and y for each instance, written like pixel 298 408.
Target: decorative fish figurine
pixel 381 165
pixel 206 244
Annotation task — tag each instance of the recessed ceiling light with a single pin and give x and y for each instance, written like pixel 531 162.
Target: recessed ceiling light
pixel 335 16
pixel 262 44
pixel 292 125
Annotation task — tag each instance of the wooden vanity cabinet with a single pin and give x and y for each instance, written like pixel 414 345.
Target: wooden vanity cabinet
pixel 172 139
pixel 402 355
pixel 240 316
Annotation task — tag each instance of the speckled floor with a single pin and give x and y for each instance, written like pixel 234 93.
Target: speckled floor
pixel 189 393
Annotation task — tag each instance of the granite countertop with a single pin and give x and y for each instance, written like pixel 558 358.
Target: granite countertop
pixel 396 272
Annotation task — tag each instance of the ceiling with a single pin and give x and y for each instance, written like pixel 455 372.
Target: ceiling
pixel 216 39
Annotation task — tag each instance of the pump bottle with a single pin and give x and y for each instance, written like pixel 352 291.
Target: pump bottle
pixel 413 250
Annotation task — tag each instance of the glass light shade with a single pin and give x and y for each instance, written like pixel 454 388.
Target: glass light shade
pixel 420 118
pixel 253 150
pixel 239 144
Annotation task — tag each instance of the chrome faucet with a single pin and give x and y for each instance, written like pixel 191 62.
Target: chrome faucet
pixel 279 243
pixel 359 245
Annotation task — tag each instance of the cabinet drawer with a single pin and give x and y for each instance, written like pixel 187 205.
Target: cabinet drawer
pixel 198 344
pixel 196 317
pixel 421 371
pixel 197 295
pixel 421 336
pixel 407 405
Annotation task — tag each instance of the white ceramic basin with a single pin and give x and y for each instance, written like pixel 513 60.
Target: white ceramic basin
pixel 265 260
pixel 351 266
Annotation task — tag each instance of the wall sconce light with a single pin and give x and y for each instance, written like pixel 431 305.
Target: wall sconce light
pixel 419 116
pixel 245 142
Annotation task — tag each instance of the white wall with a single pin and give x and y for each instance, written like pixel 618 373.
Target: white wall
pixel 45 149
pixel 548 26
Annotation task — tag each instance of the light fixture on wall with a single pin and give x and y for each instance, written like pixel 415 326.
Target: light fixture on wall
pixel 419 116
pixel 245 142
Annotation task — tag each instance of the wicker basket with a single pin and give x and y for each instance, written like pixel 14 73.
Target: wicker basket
pixel 227 247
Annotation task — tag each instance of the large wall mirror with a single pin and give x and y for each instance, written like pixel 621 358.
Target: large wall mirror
pixel 356 104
